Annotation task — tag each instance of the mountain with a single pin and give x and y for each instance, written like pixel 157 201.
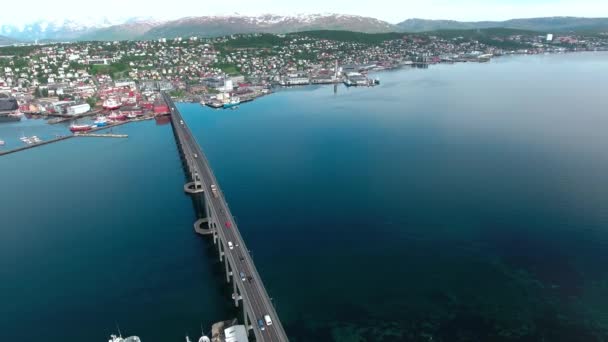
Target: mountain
pixel 213 26
pixel 60 29
pixel 6 41
pixel 208 26
pixel 549 24
pixel 128 31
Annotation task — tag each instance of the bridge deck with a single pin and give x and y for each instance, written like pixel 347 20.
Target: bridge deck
pixel 255 298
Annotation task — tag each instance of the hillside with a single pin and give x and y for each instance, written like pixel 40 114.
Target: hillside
pixel 549 24
pixel 349 36
pixel 128 31
pixel 226 25
pixel 6 41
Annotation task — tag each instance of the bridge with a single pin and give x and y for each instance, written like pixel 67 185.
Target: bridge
pixel 216 220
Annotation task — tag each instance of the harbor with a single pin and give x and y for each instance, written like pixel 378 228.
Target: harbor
pixel 89 133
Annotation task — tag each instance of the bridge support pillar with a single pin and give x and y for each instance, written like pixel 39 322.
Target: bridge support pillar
pixel 221 251
pixel 199 226
pixel 235 292
pixel 246 319
pixel 194 188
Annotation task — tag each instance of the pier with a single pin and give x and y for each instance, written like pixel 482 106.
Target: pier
pixel 101 135
pixel 42 143
pixel 89 134
pixel 216 220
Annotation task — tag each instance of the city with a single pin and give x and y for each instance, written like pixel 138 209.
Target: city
pixel 54 78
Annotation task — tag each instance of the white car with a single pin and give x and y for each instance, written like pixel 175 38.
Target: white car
pixel 268 320
pixel 230 245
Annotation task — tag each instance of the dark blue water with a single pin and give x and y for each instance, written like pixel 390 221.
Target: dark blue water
pixel 458 203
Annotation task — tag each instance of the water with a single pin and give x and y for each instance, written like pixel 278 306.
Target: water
pixel 457 203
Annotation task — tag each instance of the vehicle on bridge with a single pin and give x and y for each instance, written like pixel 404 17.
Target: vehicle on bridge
pixel 261 324
pixel 214 190
pixel 230 245
pixel 243 278
pixel 228 224
pixel 268 320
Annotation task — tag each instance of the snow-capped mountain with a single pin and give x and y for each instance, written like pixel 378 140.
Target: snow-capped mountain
pixel 223 25
pixel 61 29
pixel 150 28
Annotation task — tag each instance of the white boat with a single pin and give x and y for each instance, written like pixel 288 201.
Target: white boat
pixel 35 139
pixel 111 104
pixel 26 140
pixel 1 142
pixel 114 338
pixel 101 121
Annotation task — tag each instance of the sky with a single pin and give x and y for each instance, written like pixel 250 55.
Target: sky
pixel 393 11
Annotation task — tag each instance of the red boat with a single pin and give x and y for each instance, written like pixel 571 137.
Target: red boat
pixel 117 117
pixel 80 128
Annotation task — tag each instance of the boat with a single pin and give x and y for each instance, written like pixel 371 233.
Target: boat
pixel 101 121
pixel 202 103
pixel 111 104
pixel 131 116
pixel 80 128
pixel 2 142
pixel 35 139
pixel 114 338
pixel 117 117
pixel 233 102
pixel 25 139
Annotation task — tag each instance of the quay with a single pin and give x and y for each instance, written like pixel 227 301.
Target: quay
pixel 61 138
pixel 59 118
pixel 216 220
pixel 27 147
pixel 101 135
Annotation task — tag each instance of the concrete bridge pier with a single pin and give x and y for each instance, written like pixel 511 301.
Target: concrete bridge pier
pixel 235 292
pixel 246 320
pixel 228 270
pixel 220 245
pixel 194 188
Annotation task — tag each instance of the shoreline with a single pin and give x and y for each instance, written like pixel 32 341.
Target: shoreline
pixel 391 69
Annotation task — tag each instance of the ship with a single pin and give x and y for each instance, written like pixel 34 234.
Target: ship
pixel 101 121
pixel 114 338
pixel 111 104
pixel 233 102
pixel 117 117
pixel 9 109
pixel 80 128
pixel 2 142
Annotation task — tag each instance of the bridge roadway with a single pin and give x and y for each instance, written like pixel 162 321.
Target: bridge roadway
pixel 256 302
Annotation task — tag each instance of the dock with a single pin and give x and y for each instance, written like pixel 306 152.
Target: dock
pixel 101 135
pixel 90 134
pixel 27 147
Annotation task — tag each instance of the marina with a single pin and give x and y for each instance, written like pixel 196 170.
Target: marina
pixel 37 142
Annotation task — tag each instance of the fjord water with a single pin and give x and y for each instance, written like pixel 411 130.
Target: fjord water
pixel 456 203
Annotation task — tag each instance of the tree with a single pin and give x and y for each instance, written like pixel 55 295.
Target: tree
pixel 92 101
